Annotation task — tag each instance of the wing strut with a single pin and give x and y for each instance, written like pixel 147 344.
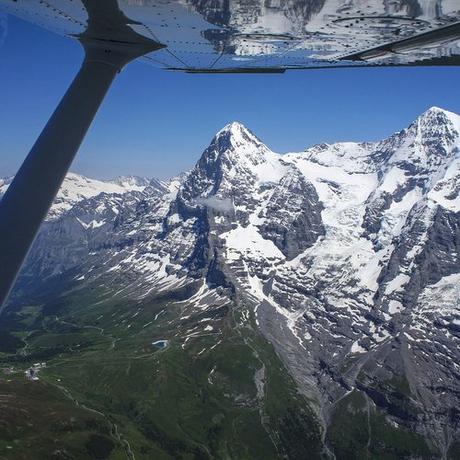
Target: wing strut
pixel 29 197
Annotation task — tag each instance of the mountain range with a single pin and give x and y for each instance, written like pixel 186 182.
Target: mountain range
pixel 317 291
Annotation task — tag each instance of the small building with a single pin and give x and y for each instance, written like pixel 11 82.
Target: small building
pixel 31 374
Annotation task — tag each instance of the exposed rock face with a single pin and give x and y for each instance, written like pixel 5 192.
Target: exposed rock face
pixel 347 256
pixel 292 215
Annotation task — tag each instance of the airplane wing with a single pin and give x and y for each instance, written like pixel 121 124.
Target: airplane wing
pixel 216 36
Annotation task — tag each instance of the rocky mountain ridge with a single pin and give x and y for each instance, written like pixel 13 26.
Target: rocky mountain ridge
pixel 77 188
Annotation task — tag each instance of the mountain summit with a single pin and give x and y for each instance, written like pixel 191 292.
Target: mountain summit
pixel 439 116
pixel 343 258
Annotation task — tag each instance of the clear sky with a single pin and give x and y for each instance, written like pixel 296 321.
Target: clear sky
pixel 156 123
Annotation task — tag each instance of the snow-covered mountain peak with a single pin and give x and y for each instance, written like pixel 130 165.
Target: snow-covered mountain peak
pixel 434 124
pixel 426 148
pixel 132 182
pixel 235 128
pixel 438 114
pixel 236 137
pixel 234 156
pixel 77 188
pixel 4 183
pixel 348 156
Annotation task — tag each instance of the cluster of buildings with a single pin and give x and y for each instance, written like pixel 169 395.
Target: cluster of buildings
pixel 32 372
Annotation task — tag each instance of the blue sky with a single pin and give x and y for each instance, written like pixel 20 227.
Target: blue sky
pixel 156 123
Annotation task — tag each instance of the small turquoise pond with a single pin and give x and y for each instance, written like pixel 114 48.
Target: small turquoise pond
pixel 161 343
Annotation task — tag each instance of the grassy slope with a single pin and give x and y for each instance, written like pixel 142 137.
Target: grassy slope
pixel 108 393
pixel 360 430
pixel 197 401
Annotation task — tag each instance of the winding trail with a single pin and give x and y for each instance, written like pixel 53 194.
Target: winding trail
pixel 114 432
